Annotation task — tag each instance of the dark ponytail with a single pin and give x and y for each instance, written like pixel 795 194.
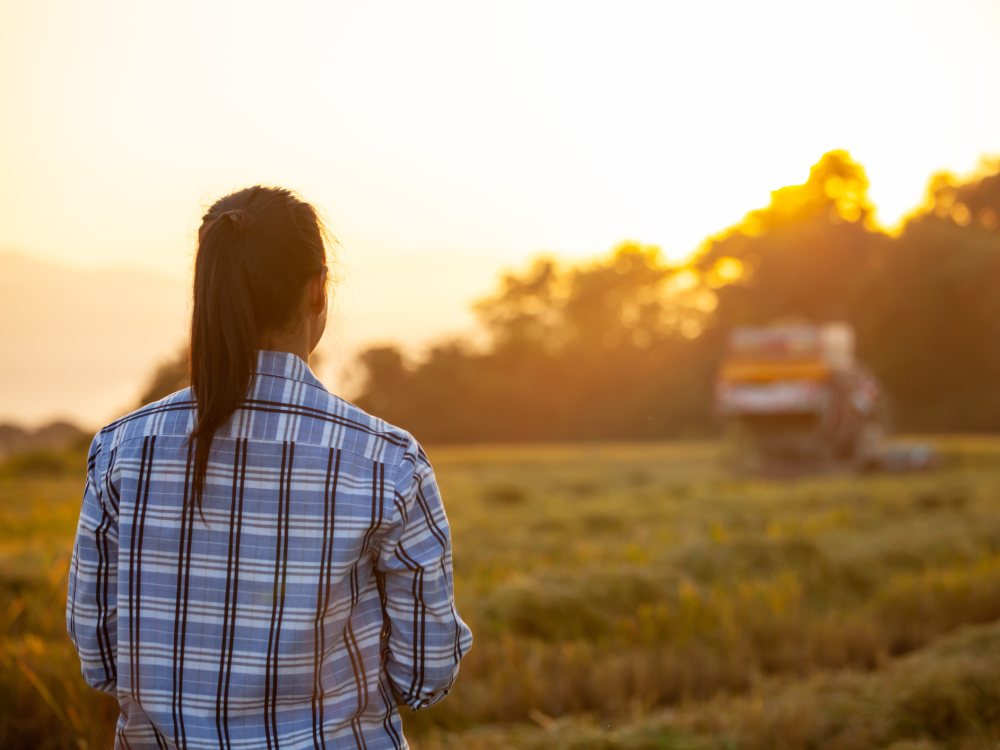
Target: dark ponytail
pixel 257 249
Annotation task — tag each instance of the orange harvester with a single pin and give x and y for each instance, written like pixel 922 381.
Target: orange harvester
pixel 797 392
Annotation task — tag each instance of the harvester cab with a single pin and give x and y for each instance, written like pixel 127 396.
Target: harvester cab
pixel 796 393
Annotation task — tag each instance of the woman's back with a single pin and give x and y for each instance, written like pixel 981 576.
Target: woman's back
pixel 309 594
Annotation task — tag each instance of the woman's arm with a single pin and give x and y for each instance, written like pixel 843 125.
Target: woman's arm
pixel 424 637
pixel 92 599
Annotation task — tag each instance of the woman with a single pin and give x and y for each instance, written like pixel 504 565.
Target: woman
pixel 260 564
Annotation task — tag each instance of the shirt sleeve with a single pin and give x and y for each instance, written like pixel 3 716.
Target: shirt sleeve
pixel 424 637
pixel 92 597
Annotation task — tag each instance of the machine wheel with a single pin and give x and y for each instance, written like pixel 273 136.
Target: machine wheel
pixel 869 446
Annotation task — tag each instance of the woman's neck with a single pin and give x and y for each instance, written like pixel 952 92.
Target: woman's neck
pixel 296 343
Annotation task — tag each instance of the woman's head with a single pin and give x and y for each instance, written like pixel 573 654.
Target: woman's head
pixel 259 277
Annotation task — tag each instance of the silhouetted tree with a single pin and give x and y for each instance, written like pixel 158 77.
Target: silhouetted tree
pixel 807 254
pixel 172 375
pixel 626 347
pixel 600 350
pixel 931 310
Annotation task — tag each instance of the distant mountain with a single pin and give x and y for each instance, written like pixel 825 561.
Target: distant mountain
pixel 79 345
pixel 83 344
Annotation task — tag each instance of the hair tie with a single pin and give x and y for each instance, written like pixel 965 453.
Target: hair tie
pixel 240 219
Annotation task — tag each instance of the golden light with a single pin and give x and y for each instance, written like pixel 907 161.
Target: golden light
pixel 988 218
pixel 726 270
pixel 960 214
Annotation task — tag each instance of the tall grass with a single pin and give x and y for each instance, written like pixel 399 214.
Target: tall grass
pixel 608 584
pixel 44 702
pixel 944 696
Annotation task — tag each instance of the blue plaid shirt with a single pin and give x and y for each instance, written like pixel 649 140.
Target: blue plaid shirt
pixel 314 595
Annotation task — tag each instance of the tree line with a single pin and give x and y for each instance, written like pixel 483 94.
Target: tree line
pixel 626 347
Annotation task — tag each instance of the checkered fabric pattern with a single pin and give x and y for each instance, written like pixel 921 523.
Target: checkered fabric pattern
pixel 311 594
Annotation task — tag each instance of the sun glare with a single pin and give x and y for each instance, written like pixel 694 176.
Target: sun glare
pixel 503 131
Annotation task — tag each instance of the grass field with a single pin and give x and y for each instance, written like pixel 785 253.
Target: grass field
pixel 635 596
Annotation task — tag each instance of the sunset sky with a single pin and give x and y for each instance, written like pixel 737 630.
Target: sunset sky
pixel 449 140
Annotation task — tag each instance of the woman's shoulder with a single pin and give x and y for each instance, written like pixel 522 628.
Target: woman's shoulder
pixel 361 432
pixel 318 417
pixel 170 415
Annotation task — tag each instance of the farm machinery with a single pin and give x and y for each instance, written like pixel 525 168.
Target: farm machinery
pixel 795 395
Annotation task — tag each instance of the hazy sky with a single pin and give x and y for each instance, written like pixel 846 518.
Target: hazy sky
pixel 448 140
pixel 497 129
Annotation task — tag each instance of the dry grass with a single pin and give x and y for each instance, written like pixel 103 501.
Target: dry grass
pixel 44 702
pixel 946 696
pixel 607 585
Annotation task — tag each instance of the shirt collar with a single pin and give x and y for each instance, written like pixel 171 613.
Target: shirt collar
pixel 285 365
